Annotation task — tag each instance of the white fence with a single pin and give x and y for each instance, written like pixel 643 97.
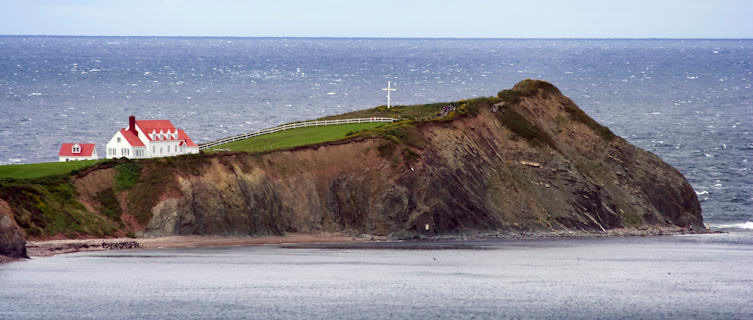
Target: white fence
pixel 291 126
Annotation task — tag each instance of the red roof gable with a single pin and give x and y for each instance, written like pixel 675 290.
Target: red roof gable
pixel 147 126
pixel 131 137
pixel 183 136
pixel 66 150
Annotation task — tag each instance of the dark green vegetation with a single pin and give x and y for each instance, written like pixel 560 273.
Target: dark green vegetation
pixel 421 112
pixel 402 132
pixel 297 137
pixel 126 175
pixel 48 206
pixel 109 205
pixel 509 96
pixel 524 128
pixel 46 169
pixel 576 114
pixel 410 112
pixel 528 87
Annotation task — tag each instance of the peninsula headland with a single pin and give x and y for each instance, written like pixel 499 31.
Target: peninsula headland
pixel 525 161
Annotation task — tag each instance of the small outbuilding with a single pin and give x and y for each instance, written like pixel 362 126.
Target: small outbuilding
pixel 77 151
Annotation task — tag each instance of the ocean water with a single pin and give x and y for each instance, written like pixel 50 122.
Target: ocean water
pixel 682 277
pixel 688 101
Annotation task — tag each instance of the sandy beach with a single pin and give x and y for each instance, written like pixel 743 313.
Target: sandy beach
pixel 52 247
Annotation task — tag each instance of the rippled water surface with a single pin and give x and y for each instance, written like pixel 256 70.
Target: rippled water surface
pixel 688 101
pixel 703 277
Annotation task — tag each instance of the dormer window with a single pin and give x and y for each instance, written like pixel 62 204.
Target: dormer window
pixel 154 135
pixel 76 149
pixel 175 134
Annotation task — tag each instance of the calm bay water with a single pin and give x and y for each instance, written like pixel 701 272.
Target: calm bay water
pixel 682 277
pixel 688 101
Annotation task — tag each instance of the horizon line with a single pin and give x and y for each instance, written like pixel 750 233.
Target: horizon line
pixel 364 37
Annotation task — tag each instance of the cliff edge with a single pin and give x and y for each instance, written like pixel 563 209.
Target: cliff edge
pixel 526 160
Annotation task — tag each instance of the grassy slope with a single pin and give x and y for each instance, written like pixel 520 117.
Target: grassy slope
pixel 39 170
pixel 410 112
pixel 297 137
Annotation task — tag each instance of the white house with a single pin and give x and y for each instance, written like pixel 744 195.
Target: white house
pixel 77 151
pixel 150 139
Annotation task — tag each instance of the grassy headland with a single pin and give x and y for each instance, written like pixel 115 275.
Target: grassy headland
pixel 296 137
pixel 45 169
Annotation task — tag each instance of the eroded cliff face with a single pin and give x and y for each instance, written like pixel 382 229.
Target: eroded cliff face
pixel 472 173
pixel 529 161
pixel 12 242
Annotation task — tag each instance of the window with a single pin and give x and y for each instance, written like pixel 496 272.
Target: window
pixel 160 150
pixel 118 139
pixel 154 149
pixel 168 149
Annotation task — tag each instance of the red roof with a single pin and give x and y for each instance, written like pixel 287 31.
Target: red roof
pixel 183 136
pixel 131 137
pixel 147 126
pixel 66 150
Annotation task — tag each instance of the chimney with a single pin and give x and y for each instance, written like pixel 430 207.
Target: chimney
pixel 132 124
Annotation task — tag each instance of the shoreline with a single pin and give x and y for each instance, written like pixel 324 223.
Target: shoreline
pixel 48 248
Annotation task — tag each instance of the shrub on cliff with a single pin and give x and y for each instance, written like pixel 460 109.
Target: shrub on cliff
pixel 509 96
pixel 518 124
pixel 529 87
pixel 126 175
pixel 576 114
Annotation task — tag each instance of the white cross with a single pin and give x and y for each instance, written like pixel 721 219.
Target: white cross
pixel 388 89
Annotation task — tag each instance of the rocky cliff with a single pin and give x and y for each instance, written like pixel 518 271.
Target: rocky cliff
pixel 526 160
pixel 12 242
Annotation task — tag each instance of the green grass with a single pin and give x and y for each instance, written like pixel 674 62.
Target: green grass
pixel 409 112
pixel 297 137
pixel 40 170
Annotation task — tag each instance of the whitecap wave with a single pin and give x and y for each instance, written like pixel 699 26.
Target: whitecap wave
pixel 745 225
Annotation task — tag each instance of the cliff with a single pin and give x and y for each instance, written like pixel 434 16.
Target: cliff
pixel 526 160
pixel 12 242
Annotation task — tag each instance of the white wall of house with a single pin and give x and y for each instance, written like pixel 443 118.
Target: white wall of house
pixel 94 156
pixel 163 148
pixel 119 147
